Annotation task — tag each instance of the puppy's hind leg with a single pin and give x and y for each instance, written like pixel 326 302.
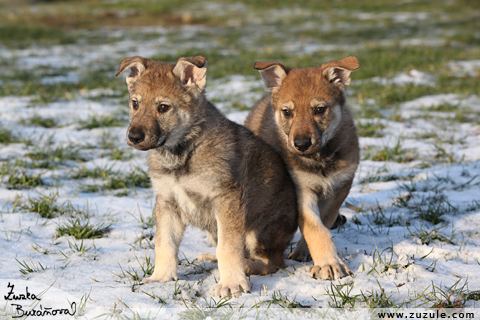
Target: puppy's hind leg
pixel 260 267
pixel 341 220
pixel 301 252
pixel 263 260
pixel 206 256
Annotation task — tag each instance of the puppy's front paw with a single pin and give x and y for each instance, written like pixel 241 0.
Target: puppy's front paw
pixel 331 271
pixel 161 277
pixel 232 287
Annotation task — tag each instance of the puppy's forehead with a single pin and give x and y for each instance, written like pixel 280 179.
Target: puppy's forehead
pixel 305 84
pixel 158 77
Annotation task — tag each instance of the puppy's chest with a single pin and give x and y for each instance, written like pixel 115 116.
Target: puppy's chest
pixel 311 181
pixel 318 183
pixel 192 196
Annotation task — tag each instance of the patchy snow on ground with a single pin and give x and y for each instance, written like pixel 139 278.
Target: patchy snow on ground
pixel 412 237
pixel 468 67
pixel 411 261
pixel 414 77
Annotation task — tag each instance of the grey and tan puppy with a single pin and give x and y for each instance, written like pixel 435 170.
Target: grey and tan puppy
pixel 305 118
pixel 209 172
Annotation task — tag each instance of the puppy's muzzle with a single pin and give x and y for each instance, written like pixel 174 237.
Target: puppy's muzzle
pixel 302 144
pixel 136 136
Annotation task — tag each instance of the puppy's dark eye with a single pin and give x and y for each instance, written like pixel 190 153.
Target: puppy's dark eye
pixel 319 110
pixel 287 113
pixel 163 108
pixel 135 104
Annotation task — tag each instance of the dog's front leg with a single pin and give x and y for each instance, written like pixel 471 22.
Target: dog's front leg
pixel 230 248
pixel 168 236
pixel 327 263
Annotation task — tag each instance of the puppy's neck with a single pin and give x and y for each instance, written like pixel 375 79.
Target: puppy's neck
pixel 169 160
pixel 315 162
pixel 177 156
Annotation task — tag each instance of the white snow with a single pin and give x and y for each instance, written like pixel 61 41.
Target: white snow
pixel 100 280
pixel 467 67
pixel 414 77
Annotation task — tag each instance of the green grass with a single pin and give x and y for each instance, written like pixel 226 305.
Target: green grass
pixel 44 205
pixel 472 296
pixel 473 206
pixel 7 137
pixel 39 121
pixel 21 35
pixel 132 274
pixel 95 173
pixel 100 121
pixel 375 299
pixel 20 179
pixel 113 179
pixel 463 115
pixel 443 107
pixel 340 295
pixel 443 155
pixel 80 247
pixel 48 207
pixel 427 236
pixel 26 268
pixel 281 300
pixel 57 155
pixel 392 94
pixel 29 83
pixel 82 229
pixel 440 297
pixel 370 129
pixel 367 110
pixel 433 209
pixel 395 153
pixel 146 222
pixel 119 154
pixel 135 179
pixel 430 208
pixel 380 217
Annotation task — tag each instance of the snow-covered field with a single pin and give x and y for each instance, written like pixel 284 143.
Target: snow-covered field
pixel 412 237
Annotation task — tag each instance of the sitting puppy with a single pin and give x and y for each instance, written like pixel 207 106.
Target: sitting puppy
pixel 305 118
pixel 209 172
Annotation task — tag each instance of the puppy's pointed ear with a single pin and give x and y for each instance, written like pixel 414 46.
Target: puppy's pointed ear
pixel 273 74
pixel 137 66
pixel 338 72
pixel 192 72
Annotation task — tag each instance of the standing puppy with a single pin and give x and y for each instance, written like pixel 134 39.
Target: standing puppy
pixel 209 172
pixel 305 118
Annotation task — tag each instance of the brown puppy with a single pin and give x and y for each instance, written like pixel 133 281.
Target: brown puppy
pixel 209 172
pixel 305 118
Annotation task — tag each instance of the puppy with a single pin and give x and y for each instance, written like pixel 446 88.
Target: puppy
pixel 305 118
pixel 208 172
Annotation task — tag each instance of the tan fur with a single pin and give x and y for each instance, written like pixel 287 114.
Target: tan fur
pixel 305 118
pixel 208 172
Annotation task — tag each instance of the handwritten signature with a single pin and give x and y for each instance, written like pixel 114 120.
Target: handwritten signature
pixel 35 312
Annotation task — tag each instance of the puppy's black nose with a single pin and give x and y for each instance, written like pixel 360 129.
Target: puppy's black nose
pixel 136 136
pixel 302 144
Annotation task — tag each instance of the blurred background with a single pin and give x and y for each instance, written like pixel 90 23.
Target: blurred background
pixel 82 42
